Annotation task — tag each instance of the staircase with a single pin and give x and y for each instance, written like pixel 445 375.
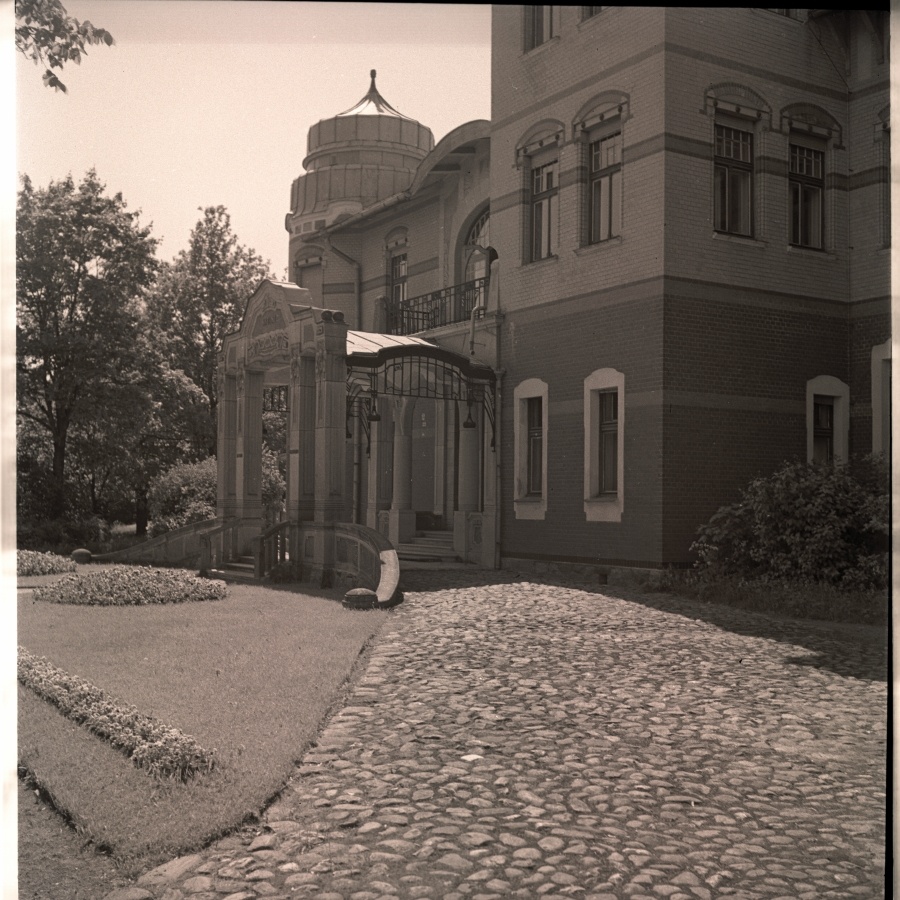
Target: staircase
pixel 240 569
pixel 428 546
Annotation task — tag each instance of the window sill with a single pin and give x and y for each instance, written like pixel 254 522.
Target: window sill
pixel 603 509
pixel 586 249
pixel 546 261
pixel 740 239
pixel 812 252
pixel 538 47
pixel 530 507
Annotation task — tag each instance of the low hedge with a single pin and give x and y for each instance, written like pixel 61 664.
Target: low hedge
pixel 31 562
pixel 122 585
pixel 161 750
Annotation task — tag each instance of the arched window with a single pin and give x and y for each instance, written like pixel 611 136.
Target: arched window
pixel 475 249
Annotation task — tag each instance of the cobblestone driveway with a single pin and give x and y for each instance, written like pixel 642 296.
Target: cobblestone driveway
pixel 533 740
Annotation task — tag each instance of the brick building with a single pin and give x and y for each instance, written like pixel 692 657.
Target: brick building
pixel 661 269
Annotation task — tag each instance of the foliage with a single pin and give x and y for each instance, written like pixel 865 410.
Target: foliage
pixel 285 573
pixel 82 265
pixel 808 523
pixel 161 750
pixel 122 585
pixel 200 297
pixel 187 493
pixel 29 562
pixel 62 536
pixel 47 35
pixel 184 494
pixel 777 597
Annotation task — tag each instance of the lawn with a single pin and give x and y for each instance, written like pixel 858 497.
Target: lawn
pixel 252 676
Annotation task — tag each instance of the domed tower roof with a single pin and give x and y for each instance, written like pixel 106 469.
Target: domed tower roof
pixel 358 157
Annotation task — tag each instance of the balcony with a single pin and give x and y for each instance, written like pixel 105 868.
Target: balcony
pixel 443 307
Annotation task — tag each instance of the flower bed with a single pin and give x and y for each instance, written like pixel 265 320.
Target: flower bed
pixel 151 745
pixel 123 585
pixel 30 562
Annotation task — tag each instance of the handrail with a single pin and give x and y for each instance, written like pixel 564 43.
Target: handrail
pixel 214 553
pixel 442 307
pixel 271 548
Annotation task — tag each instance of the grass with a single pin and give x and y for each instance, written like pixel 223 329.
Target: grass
pixel 252 675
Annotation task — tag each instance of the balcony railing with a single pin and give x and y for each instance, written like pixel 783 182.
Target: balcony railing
pixel 443 307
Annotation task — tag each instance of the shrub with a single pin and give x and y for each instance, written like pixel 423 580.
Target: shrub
pixel 123 585
pixel 30 562
pixel 162 750
pixel 808 523
pixel 184 494
pixel 187 494
pixel 285 573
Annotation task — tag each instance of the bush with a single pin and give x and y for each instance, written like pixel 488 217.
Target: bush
pixel 187 494
pixel 162 750
pixel 131 586
pixel 805 523
pixel 30 562
pixel 184 494
pixel 62 536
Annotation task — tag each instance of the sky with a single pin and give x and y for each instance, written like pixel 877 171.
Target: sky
pixel 207 102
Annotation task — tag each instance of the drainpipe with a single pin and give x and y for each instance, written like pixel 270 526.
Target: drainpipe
pixel 357 291
pixel 357 437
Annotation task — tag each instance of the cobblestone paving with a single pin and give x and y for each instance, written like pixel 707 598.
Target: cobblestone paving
pixel 534 740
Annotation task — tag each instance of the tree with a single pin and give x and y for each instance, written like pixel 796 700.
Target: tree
pixel 200 297
pixel 46 34
pixel 82 264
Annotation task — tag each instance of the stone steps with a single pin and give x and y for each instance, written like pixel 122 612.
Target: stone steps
pixel 428 546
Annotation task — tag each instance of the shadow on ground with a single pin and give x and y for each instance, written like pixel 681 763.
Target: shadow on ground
pixel 855 651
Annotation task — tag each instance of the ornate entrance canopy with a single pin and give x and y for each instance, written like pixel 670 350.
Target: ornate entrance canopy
pixel 390 365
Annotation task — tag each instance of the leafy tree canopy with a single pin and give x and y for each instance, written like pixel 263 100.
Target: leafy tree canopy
pixel 83 263
pixel 200 297
pixel 49 36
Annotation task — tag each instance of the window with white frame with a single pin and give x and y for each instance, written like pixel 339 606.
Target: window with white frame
pixel 530 416
pixel 807 188
pixel 827 419
pixel 604 442
pixel 539 25
pixel 733 180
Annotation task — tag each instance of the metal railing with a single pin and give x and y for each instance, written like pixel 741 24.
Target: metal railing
pixel 443 307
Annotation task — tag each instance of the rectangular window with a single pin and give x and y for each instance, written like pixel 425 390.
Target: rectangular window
pixel 605 199
pixel 535 466
pixel 823 429
pixel 608 443
pixel 398 277
pixel 588 12
pixel 807 186
pixel 733 182
pixel 538 25
pixel 544 189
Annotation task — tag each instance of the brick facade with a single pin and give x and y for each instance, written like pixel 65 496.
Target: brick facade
pixel 715 333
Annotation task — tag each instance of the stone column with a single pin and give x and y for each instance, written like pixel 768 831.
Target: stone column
pixel 249 453
pixel 469 481
pixel 402 520
pixel 226 500
pixel 379 475
pixel 301 439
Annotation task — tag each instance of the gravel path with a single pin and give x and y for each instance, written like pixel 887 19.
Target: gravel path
pixel 533 740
